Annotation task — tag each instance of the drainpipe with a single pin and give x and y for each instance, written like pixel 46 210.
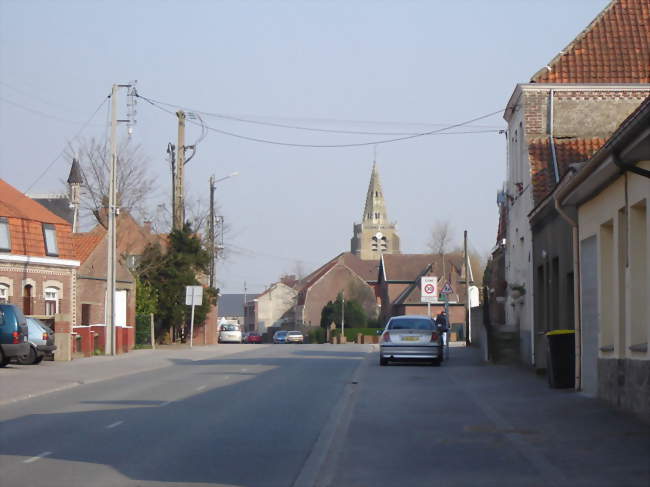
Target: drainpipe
pixel 556 170
pixel 631 167
pixel 576 292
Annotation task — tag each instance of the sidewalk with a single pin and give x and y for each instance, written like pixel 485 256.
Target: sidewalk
pixel 470 423
pixel 19 382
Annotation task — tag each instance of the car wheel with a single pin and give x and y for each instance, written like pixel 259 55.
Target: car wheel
pixel 4 360
pixel 39 359
pixel 383 360
pixel 30 358
pixel 436 362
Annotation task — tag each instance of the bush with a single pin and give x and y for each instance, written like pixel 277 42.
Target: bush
pixel 351 333
pixel 142 330
pixel 318 335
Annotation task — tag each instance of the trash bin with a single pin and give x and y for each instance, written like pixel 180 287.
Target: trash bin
pixel 560 358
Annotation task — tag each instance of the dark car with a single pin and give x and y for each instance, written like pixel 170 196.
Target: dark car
pixel 13 334
pixel 252 337
pixel 41 342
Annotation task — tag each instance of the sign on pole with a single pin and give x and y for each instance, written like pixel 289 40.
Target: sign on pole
pixel 193 297
pixel 429 289
pixel 447 289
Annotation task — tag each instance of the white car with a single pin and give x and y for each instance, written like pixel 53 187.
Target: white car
pixel 229 333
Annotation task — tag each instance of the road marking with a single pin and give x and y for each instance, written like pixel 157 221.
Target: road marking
pixel 37 457
pixel 227 377
pixel 166 403
pixel 244 370
pixel 199 389
pixel 113 425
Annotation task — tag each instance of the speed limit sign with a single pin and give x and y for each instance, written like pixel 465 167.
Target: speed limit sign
pixel 429 287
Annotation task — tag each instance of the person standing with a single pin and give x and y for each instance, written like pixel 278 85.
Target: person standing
pixel 443 325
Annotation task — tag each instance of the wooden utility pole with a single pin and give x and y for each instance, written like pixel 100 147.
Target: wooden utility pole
pixel 109 348
pixel 211 229
pixel 179 200
pixel 468 309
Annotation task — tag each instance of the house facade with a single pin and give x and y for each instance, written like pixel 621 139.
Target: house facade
pixel 38 265
pixel 557 121
pixel 274 308
pixel 610 197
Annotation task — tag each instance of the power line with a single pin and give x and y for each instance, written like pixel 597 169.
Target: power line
pixel 39 113
pixel 63 150
pixel 323 146
pixel 300 127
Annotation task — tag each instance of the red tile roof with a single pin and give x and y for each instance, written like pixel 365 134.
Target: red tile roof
pixel 85 243
pixel 26 218
pixel 15 204
pixel 405 267
pixel 614 48
pixel 568 151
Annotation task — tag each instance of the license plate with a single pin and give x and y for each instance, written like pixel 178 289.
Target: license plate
pixel 411 339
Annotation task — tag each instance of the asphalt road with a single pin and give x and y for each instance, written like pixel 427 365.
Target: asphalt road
pixel 250 419
pixel 319 416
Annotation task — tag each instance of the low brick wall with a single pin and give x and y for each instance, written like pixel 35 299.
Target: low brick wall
pixel 625 384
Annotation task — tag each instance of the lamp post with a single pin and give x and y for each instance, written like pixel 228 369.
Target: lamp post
pixel 213 183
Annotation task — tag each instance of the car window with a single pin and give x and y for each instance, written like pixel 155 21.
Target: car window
pixel 229 327
pixel 411 324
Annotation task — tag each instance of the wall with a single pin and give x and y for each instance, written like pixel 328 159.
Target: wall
pixel 618 219
pixel 273 305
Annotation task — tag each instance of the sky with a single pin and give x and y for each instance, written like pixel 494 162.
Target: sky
pixel 384 67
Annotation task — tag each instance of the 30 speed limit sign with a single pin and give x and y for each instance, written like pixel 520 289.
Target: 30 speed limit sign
pixel 429 287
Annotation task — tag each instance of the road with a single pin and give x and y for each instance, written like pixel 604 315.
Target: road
pixel 319 415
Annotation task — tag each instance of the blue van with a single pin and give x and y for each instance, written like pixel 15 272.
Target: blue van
pixel 13 334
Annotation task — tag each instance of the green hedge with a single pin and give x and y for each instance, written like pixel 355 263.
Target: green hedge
pixel 351 333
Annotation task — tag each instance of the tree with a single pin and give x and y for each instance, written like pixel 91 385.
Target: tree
pixel 134 183
pixel 169 272
pixel 355 315
pixel 441 238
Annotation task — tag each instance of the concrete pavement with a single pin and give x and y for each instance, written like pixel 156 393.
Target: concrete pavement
pixel 472 424
pixel 19 382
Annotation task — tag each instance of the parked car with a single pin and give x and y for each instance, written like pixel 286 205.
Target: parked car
pixel 280 337
pixel 230 333
pixel 252 337
pixel 294 337
pixel 411 338
pixel 13 334
pixel 41 342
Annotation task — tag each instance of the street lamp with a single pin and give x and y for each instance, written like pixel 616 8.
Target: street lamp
pixel 213 182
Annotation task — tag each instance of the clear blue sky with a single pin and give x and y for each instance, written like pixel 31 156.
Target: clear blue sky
pixel 398 66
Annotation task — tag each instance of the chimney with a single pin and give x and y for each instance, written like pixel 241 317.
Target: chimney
pixel 147 226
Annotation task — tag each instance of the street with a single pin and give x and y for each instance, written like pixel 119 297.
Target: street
pixel 264 415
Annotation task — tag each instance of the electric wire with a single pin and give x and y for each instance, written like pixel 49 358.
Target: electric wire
pixel 323 146
pixel 299 127
pixel 85 125
pixel 39 113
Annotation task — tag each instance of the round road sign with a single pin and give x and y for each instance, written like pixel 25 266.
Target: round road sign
pixel 429 288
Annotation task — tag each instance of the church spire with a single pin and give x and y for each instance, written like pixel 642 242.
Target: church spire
pixel 375 209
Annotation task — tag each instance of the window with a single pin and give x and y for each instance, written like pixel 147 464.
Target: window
pixel 85 314
pixel 49 233
pixel 5 240
pixel 4 293
pixel 51 300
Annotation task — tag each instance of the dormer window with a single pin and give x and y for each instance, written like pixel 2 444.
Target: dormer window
pixel 49 235
pixel 5 239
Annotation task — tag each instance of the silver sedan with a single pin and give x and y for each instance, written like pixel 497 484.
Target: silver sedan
pixel 410 338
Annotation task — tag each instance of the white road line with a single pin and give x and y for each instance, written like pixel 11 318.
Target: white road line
pixel 199 389
pixel 37 457
pixel 166 403
pixel 113 425
pixel 244 370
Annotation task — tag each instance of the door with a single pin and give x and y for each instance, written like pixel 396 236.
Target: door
pixel 27 299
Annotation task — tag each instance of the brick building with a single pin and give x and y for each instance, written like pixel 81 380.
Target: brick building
pixel 38 264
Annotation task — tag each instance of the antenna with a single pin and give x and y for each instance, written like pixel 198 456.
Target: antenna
pixel 131 105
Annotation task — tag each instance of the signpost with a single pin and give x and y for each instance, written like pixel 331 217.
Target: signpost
pixel 193 297
pixel 445 292
pixel 429 291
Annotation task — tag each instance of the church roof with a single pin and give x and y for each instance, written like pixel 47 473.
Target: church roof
pixel 375 209
pixel 75 173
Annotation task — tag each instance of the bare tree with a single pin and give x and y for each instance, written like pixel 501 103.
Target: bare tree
pixel 134 183
pixel 441 238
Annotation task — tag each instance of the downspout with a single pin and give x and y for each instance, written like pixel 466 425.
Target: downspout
pixel 632 167
pixel 556 170
pixel 576 292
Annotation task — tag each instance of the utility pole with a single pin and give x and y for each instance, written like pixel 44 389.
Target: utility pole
pixel 342 317
pixel 211 229
pixel 110 267
pixel 179 201
pixel 468 309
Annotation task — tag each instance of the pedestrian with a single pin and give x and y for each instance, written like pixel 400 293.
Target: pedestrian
pixel 443 325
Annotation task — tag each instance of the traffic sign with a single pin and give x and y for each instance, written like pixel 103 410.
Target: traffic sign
pixel 447 289
pixel 193 295
pixel 429 289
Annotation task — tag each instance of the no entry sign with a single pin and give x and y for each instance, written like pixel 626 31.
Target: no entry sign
pixel 429 287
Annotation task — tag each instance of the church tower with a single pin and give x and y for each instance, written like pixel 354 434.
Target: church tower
pixel 74 185
pixel 375 235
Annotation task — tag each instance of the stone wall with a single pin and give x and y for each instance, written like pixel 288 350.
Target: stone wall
pixel 625 384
